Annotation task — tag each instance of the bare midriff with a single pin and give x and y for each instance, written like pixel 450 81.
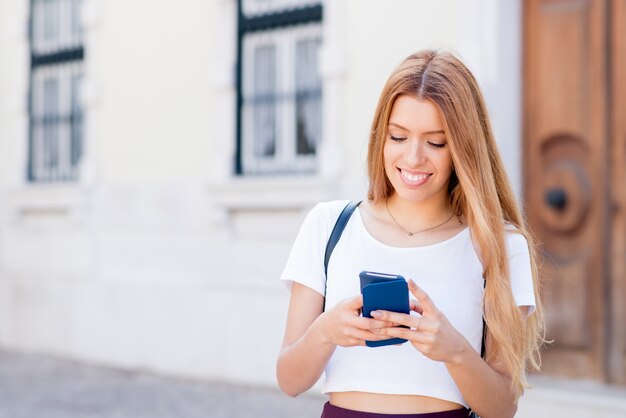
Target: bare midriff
pixel 390 404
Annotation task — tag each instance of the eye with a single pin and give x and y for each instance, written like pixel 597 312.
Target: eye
pixel 436 145
pixel 396 138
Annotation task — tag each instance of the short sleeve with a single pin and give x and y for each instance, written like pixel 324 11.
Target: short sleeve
pixel 520 271
pixel 305 264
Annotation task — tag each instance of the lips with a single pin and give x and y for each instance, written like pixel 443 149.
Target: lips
pixel 412 178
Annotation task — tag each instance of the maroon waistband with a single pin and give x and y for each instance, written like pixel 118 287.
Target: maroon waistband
pixel 331 411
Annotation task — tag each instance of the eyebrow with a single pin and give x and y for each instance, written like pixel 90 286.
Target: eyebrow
pixel 424 133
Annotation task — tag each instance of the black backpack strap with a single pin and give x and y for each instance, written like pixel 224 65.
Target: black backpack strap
pixel 342 220
pixel 482 347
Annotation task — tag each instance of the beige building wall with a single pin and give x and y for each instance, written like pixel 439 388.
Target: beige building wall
pixel 158 258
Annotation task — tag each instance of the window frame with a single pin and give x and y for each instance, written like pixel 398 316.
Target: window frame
pixel 307 18
pixel 61 59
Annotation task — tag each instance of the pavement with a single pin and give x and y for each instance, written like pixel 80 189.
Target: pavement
pixel 36 386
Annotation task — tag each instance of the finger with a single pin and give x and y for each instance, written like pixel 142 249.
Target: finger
pixel 407 334
pixel 416 307
pixel 367 336
pixel 352 342
pixel 425 301
pixel 429 325
pixel 396 318
pixel 425 340
pixel 368 323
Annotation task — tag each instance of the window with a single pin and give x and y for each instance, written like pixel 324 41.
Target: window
pixel 279 86
pixel 55 111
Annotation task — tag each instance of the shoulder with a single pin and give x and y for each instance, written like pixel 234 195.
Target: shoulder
pixel 331 207
pixel 516 241
pixel 322 217
pixel 325 212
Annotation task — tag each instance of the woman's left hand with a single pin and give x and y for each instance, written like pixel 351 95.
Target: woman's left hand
pixel 431 333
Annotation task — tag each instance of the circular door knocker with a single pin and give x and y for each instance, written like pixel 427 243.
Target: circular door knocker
pixel 566 195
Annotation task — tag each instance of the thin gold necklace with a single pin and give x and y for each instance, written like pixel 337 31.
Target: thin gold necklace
pixel 409 233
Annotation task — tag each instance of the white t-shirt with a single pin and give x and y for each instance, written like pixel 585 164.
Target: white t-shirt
pixel 449 271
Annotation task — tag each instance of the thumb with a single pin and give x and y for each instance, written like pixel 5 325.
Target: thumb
pixel 425 301
pixel 355 303
pixel 416 307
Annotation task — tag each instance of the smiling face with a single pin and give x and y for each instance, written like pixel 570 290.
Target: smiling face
pixel 416 154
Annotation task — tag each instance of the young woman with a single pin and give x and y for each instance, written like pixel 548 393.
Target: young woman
pixel 440 212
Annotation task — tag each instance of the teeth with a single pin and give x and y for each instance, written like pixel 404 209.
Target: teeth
pixel 414 177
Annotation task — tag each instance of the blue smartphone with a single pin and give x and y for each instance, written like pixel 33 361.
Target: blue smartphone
pixel 370 277
pixel 388 292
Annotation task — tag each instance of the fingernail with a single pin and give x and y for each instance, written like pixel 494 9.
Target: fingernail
pixel 411 282
pixel 376 314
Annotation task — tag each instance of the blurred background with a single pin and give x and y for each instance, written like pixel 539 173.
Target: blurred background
pixel 157 158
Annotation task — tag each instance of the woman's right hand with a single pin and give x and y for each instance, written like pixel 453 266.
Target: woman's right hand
pixel 344 326
pixel 311 336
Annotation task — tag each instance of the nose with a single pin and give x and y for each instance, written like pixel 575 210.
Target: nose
pixel 415 153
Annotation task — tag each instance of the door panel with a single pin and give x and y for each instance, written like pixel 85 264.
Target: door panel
pixel 566 174
pixel 617 348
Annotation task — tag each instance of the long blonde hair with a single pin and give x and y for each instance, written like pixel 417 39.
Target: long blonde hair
pixel 479 189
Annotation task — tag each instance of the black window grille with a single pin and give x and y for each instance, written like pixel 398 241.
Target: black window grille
pixel 279 89
pixel 56 73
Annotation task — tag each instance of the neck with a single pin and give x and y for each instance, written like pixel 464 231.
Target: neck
pixel 415 216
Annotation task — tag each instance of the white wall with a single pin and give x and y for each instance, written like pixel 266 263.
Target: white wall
pixel 14 85
pixel 377 40
pixel 490 43
pixel 153 79
pixel 158 258
pixel 484 33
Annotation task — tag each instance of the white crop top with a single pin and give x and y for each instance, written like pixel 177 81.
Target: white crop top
pixel 449 271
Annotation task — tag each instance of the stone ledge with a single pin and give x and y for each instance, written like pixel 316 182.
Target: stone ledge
pixel 551 398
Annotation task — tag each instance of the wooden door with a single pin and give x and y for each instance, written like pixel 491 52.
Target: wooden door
pixel 574 180
pixel 617 335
